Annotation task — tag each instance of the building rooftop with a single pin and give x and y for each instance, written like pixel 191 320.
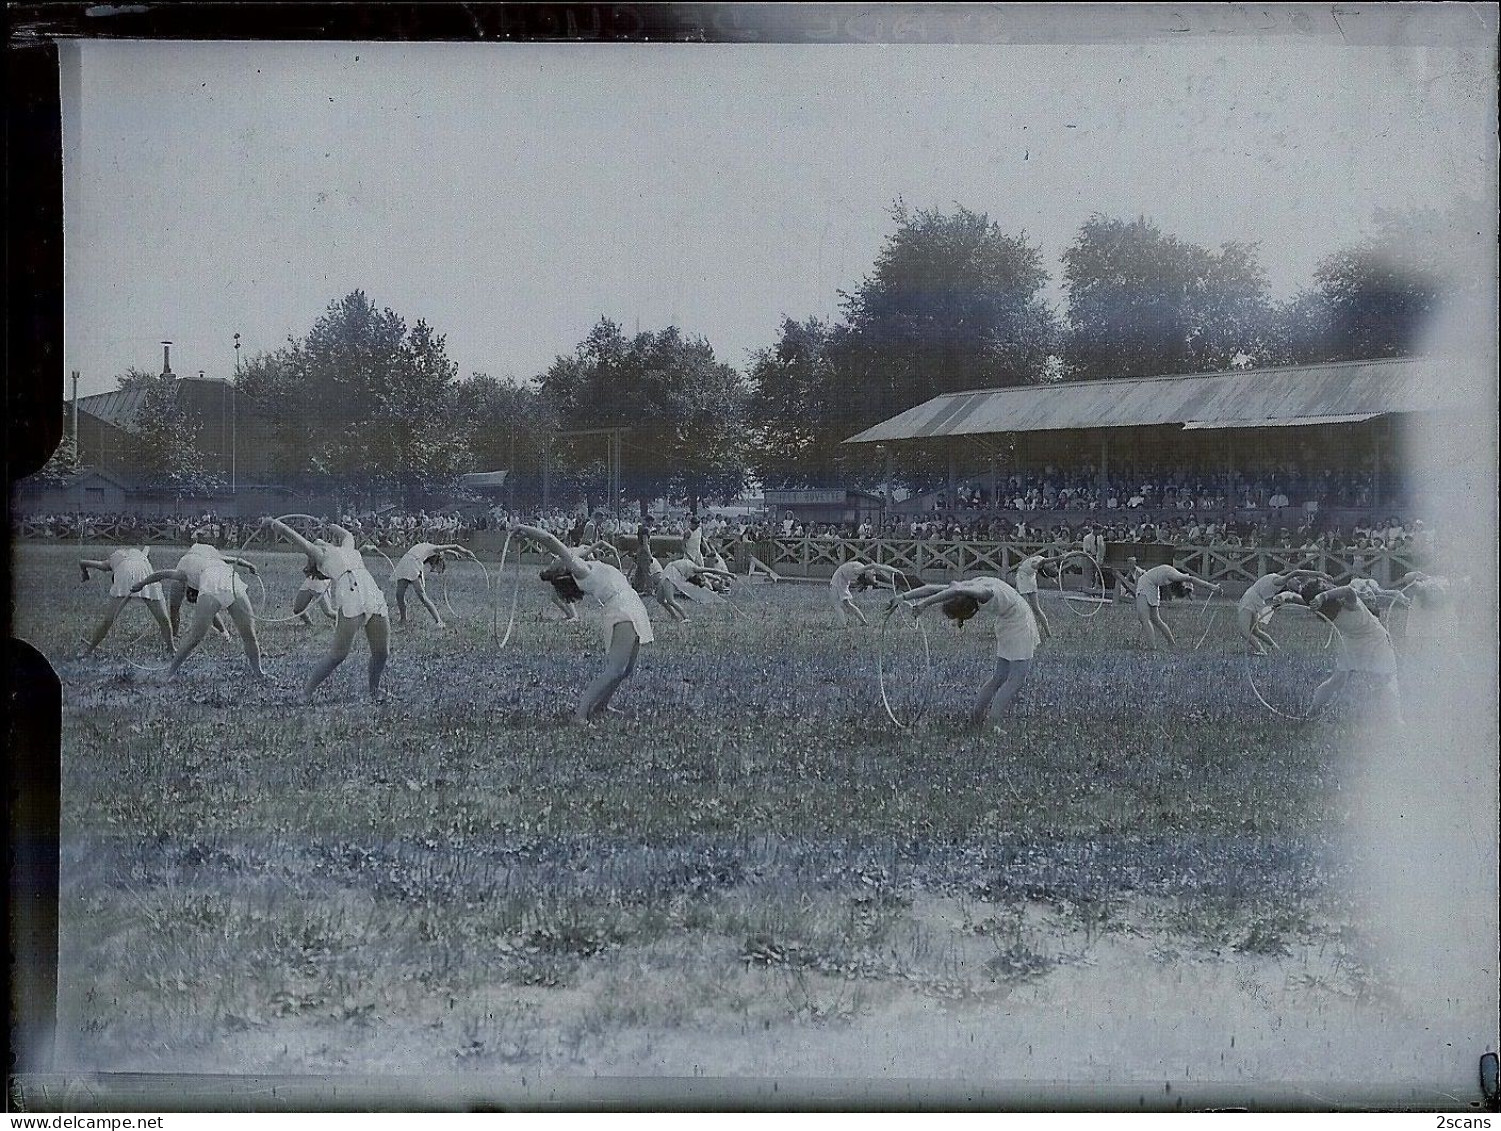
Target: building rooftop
pixel 1338 392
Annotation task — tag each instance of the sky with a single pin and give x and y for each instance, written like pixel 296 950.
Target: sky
pixel 512 194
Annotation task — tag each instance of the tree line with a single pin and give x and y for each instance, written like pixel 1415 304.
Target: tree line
pixel 952 302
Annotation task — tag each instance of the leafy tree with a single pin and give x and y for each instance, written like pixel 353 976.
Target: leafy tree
pixel 1142 303
pixel 951 303
pixel 684 408
pixel 797 418
pixel 1381 295
pixel 506 426
pixel 361 399
pixel 162 440
pixel 134 378
pixel 410 435
pixel 1301 331
pixel 62 465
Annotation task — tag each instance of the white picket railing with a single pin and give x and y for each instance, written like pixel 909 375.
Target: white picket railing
pixel 937 559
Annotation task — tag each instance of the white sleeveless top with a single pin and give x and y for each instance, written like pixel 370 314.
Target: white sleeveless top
pixel 621 603
pixel 1016 635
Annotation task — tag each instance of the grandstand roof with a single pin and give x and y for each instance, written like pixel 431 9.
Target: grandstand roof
pixel 1339 392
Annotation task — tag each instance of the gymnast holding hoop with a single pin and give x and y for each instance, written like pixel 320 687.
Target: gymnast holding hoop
pixel 855 577
pixel 1149 587
pixel 357 599
pixel 1253 603
pixel 1026 582
pixel 1364 645
pixel 410 571
pixel 1016 635
pixel 680 572
pixel 210 583
pixel 126 567
pixel 565 592
pixel 313 588
pixel 1430 616
pixel 626 625
pixel 176 592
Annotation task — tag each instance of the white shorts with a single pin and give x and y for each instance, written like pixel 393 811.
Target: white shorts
pixel 1016 637
pixel 1372 654
pixel 314 585
pixel 221 583
pixel 626 608
pixel 1148 597
pixel 407 570
pixel 129 574
pixel 1026 587
pixel 357 596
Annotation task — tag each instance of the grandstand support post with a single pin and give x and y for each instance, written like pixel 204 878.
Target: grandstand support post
pixel 953 474
pixel 1104 459
pixel 546 476
pixel 511 474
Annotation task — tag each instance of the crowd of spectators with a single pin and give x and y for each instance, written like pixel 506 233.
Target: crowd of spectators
pixel 1181 489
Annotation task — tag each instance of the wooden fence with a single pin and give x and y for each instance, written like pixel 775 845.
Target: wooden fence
pixel 1231 566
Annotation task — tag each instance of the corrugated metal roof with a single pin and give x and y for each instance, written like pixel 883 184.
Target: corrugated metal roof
pixel 1284 422
pixel 204 395
pixel 1243 398
pixel 117 407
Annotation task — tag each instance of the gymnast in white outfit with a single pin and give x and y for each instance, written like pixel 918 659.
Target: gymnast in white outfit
pixel 676 574
pixel 358 603
pixel 1149 588
pixel 1026 583
pixel 411 571
pixel 1431 615
pixel 1251 611
pixel 565 592
pixel 126 567
pixel 1016 635
pixel 313 588
pixel 212 586
pixel 623 616
pixel 855 577
pixel 176 592
pixel 1364 645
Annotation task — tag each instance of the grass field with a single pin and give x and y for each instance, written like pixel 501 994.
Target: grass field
pixel 750 871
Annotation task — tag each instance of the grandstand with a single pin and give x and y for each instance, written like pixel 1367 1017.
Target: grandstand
pixel 1242 426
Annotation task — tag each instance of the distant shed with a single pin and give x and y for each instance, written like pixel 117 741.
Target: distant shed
pixel 825 505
